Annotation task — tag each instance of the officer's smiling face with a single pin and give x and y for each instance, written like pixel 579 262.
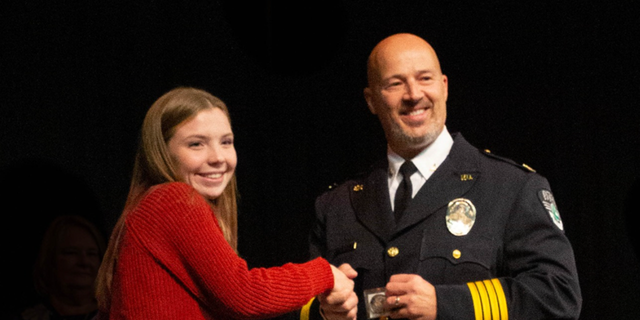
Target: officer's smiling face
pixel 408 93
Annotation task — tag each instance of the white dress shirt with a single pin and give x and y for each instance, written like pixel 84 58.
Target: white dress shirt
pixel 426 161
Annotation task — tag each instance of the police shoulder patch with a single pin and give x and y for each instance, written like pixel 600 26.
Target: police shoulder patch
pixel 549 203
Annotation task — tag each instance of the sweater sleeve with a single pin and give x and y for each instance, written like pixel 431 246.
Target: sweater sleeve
pixel 178 228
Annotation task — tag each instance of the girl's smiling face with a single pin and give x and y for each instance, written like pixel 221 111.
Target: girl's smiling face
pixel 203 152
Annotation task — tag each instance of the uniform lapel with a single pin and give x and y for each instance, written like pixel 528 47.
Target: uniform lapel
pixel 451 180
pixel 370 201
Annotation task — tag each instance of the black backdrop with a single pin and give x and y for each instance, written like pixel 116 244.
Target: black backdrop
pixel 552 85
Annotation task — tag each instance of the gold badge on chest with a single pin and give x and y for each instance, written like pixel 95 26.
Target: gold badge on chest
pixel 461 216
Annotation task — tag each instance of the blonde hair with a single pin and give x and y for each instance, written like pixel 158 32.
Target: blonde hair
pixel 154 165
pixel 43 272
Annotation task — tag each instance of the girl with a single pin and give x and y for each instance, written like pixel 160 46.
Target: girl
pixel 172 254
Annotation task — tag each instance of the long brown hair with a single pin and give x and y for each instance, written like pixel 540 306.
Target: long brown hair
pixel 153 165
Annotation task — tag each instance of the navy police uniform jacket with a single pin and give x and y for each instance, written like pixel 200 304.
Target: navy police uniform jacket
pixel 515 262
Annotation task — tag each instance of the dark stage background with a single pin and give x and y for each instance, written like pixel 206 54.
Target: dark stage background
pixel 554 85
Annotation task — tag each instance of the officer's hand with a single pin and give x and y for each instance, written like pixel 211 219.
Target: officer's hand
pixel 416 298
pixel 342 302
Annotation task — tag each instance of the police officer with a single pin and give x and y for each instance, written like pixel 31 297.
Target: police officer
pixel 444 229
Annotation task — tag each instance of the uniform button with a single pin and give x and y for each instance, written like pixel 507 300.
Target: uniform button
pixel 393 251
pixel 456 254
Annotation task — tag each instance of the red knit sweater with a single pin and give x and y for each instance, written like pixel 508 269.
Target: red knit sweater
pixel 174 263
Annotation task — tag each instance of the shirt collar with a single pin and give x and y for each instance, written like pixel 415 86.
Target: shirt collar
pixel 428 160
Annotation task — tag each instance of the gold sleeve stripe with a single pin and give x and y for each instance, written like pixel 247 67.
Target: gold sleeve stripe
pixel 484 297
pixel 489 301
pixel 502 300
pixel 475 296
pixel 493 299
pixel 304 313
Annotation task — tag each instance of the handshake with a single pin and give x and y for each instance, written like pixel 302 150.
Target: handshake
pixel 405 296
pixel 342 301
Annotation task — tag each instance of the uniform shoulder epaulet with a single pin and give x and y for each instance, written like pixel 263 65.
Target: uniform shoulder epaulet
pixel 332 186
pixel 524 166
pixel 352 178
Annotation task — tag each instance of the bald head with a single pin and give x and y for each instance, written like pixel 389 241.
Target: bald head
pixel 395 47
pixel 408 92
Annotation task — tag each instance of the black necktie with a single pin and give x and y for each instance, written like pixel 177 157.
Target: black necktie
pixel 403 194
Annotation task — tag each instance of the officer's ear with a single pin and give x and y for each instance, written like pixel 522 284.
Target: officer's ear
pixel 445 84
pixel 368 96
